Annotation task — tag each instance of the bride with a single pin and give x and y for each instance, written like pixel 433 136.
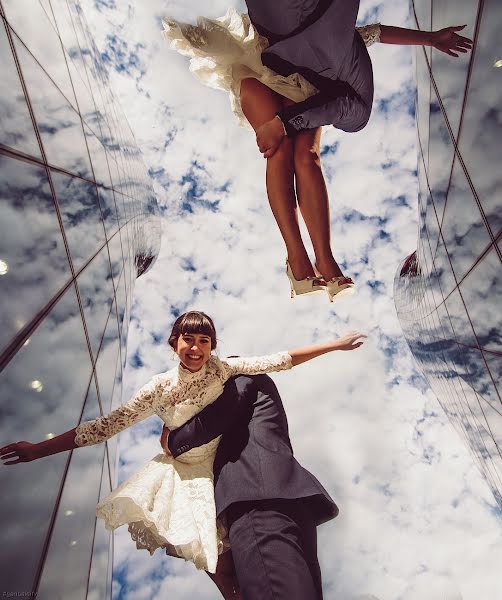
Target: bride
pixel 169 503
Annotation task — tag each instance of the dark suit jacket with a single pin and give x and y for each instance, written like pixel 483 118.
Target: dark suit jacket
pixel 254 460
pixel 317 38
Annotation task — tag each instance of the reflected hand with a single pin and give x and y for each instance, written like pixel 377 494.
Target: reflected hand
pixel 269 137
pixel 163 440
pixel 21 451
pixel 351 341
pixel 450 42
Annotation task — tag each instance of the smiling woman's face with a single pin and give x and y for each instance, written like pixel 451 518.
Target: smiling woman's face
pixel 193 349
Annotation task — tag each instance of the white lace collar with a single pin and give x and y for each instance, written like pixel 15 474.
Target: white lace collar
pixel 186 375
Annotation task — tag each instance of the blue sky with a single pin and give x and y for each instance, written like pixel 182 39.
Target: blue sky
pixel 417 520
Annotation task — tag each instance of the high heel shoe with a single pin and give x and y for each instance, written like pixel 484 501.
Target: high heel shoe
pixel 335 287
pixel 309 285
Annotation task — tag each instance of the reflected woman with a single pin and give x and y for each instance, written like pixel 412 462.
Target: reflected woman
pixel 291 67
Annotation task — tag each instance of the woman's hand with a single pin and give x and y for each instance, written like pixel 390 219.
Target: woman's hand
pixel 163 440
pixel 448 41
pixel 351 341
pixel 21 451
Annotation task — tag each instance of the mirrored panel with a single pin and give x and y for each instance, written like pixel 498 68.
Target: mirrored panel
pixel 86 140
pixel 33 259
pixel 58 122
pixel 99 159
pixel 482 293
pixel 32 25
pixel 81 215
pixel 464 233
pixel 422 13
pixel 108 211
pixel 441 154
pixel 480 136
pixel 423 98
pixel 71 539
pixel 450 73
pixel 99 579
pixel 96 294
pixel 16 127
pixel 107 361
pixel 448 298
pixel 43 392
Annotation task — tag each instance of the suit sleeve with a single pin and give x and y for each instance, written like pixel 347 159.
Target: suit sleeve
pixel 336 104
pixel 215 419
pixel 341 105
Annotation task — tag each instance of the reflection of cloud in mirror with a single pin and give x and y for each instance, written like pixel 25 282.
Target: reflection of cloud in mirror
pixel 31 489
pixel 450 312
pixel 96 293
pixel 31 244
pixel 73 532
pixel 58 122
pixel 81 216
pixel 31 23
pixel 16 128
pixel 480 137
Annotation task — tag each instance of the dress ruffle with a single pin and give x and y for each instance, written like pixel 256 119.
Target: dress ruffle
pixel 169 504
pixel 225 51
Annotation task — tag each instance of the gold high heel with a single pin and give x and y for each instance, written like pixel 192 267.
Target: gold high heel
pixel 309 285
pixel 334 287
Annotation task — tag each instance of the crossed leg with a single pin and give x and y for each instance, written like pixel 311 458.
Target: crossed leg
pixel 260 104
pixel 313 197
pixel 299 161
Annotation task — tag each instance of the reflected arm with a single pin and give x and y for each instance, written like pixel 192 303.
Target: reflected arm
pixel 404 37
pixel 348 342
pixel 446 40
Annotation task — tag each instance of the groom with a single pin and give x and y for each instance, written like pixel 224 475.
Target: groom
pixel 316 38
pixel 272 505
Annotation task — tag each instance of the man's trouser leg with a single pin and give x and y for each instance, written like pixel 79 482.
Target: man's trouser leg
pixel 274 545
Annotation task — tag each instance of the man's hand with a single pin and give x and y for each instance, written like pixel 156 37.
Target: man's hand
pixel 269 137
pixel 163 441
pixel 450 42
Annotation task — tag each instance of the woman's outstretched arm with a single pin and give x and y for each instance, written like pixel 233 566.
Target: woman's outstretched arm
pixel 350 341
pixel 26 452
pixel 447 40
pixel 88 433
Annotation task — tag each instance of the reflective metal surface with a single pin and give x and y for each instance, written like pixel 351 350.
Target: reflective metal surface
pixel 79 222
pixel 448 293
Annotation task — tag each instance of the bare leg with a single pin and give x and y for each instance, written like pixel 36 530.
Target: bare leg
pixel 260 104
pixel 313 198
pixel 225 578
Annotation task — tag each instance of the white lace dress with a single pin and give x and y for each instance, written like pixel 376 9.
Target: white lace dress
pixel 226 50
pixel 169 503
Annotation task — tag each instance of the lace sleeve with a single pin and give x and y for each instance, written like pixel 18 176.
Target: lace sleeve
pixel 254 365
pixel 137 409
pixel 370 33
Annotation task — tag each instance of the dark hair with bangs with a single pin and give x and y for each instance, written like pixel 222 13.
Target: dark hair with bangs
pixel 193 321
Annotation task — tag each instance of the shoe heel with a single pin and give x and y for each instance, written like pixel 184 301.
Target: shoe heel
pixel 308 285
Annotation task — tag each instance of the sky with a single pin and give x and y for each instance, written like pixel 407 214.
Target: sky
pixel 416 518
